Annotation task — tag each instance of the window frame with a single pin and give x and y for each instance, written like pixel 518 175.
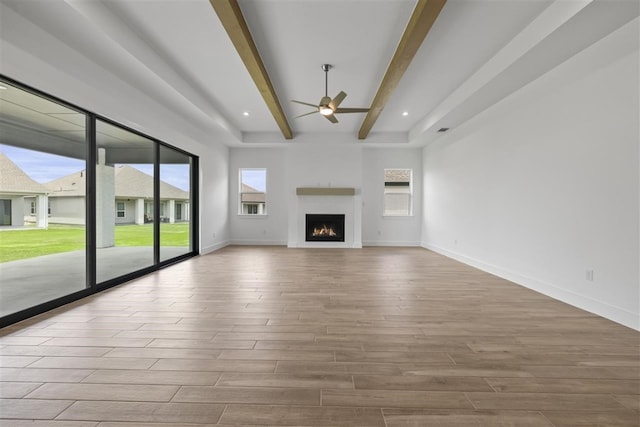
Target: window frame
pixel 248 214
pixel 91 283
pixel 385 212
pixel 123 210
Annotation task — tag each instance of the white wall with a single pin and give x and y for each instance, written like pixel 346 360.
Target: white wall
pixel 18 209
pixel 67 210
pixel 324 165
pixel 214 199
pixel 34 57
pixel 129 212
pixel 544 186
pixel 379 230
pixel 270 229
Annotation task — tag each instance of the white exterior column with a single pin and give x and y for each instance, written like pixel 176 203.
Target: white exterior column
pixel 105 202
pixel 186 211
pixel 42 217
pixel 17 211
pixel 139 211
pixel 172 211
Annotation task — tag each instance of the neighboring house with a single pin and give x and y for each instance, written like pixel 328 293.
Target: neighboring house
pixel 134 194
pixel 252 201
pixel 22 200
pixel 133 198
pixel 66 199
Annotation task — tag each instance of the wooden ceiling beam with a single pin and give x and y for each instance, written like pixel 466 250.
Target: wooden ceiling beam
pixel 424 15
pixel 233 21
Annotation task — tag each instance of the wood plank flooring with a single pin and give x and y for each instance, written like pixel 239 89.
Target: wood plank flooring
pixel 270 336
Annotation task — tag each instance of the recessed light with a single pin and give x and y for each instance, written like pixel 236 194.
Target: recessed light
pixel 246 113
pixel 406 113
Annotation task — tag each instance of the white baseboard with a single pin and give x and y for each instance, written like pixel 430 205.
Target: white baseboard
pixel 324 245
pixel 211 248
pixel 390 243
pixel 613 313
pixel 258 242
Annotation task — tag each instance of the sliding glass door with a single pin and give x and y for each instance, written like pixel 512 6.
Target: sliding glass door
pixel 175 203
pixel 124 185
pixel 84 203
pixel 43 176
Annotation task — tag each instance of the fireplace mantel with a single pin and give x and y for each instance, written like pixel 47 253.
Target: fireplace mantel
pixel 325 191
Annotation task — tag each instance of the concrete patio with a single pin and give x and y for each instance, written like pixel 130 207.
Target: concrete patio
pixel 28 282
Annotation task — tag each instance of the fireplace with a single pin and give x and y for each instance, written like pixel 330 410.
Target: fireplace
pixel 324 228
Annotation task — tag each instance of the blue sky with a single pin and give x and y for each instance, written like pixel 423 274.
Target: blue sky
pixel 44 167
pixel 256 178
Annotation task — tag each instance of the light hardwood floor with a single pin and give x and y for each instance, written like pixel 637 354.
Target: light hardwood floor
pixel 329 337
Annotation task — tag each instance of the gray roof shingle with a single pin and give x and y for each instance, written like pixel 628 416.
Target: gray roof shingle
pixel 130 183
pixel 14 180
pixel 251 195
pixel 397 175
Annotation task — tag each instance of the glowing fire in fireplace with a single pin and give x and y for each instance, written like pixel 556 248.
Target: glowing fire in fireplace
pixel 323 231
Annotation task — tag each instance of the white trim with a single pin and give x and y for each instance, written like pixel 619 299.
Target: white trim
pixel 385 214
pixel 241 204
pixel 390 243
pixel 212 248
pixel 123 210
pixel 259 242
pixel 616 314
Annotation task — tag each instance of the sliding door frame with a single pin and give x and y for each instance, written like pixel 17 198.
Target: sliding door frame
pixel 90 212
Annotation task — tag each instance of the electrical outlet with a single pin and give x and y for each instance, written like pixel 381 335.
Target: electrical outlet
pixel 589 275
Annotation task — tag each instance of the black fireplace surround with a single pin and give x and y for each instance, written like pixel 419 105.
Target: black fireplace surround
pixel 324 228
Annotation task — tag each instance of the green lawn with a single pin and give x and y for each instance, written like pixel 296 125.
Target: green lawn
pixel 142 235
pixel 29 243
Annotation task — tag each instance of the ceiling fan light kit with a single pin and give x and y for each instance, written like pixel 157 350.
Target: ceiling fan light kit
pixel 329 107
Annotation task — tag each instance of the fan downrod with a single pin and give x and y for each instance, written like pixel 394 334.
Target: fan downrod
pixel 326 68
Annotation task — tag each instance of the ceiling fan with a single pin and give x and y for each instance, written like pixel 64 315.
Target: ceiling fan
pixel 329 107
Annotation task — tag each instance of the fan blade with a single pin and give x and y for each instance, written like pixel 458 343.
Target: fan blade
pixel 305 103
pixel 337 100
pixel 331 118
pixel 306 114
pixel 351 110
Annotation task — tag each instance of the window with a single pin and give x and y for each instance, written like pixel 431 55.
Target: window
pixel 120 209
pixel 253 189
pixel 33 208
pixel 398 191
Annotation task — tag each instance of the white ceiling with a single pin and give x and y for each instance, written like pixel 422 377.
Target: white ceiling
pixel 477 52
